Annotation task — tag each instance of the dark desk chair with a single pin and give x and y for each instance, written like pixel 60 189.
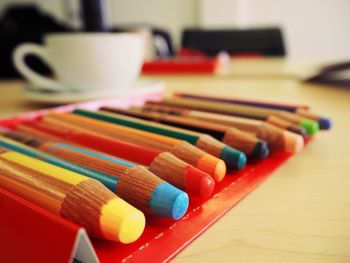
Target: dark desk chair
pixel 264 41
pixel 20 24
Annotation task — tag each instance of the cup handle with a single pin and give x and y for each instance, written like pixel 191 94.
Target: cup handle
pixel 40 81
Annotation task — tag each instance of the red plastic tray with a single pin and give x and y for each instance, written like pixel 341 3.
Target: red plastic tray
pixel 163 239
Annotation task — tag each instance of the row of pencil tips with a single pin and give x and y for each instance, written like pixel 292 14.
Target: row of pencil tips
pixel 107 169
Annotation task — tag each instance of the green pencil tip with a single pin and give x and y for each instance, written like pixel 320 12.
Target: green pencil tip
pixel 234 159
pixel 310 126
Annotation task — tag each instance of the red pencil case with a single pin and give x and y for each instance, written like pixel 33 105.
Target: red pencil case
pixel 162 238
pixel 181 65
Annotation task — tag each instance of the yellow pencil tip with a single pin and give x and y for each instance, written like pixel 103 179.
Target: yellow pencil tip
pixel 212 165
pixel 121 221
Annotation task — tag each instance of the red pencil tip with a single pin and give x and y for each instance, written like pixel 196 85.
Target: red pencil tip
pixel 199 183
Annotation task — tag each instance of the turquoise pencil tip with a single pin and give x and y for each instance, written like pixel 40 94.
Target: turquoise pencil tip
pixel 234 159
pixel 169 201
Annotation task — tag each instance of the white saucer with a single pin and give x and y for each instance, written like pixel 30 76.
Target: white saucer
pixel 33 94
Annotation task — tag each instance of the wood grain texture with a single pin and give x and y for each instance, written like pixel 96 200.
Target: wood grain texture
pixel 210 145
pixel 184 151
pixel 135 185
pixel 246 142
pixel 174 173
pixel 80 203
pixel 302 212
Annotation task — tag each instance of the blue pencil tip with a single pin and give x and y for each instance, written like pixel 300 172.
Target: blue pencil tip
pixel 261 150
pixel 169 201
pixel 325 123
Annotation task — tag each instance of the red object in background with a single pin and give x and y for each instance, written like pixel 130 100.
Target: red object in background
pixel 181 65
pixel 187 61
pixel 24 232
pixel 190 61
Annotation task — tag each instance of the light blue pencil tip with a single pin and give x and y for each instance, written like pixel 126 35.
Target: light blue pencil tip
pixel 169 201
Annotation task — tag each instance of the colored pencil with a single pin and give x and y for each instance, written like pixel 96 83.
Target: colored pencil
pixel 239 140
pixel 235 160
pixel 181 149
pixel 162 164
pixel 273 105
pixel 133 183
pixel 324 123
pixel 243 141
pixel 272 119
pixel 310 126
pixel 283 124
pixel 167 166
pixel 302 110
pixel 23 127
pixel 72 196
pixel 193 181
pixel 277 138
pixel 11 143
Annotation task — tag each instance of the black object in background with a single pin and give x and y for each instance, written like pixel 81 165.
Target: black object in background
pixel 93 12
pixel 24 23
pixel 265 41
pixel 337 74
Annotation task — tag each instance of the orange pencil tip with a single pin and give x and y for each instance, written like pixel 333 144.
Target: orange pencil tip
pixel 213 166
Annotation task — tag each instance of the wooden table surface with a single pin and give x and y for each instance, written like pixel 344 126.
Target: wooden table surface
pixel 302 212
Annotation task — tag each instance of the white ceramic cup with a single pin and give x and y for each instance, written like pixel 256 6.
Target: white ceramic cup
pixel 84 61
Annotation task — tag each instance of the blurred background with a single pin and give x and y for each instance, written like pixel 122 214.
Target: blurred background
pixel 311 30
